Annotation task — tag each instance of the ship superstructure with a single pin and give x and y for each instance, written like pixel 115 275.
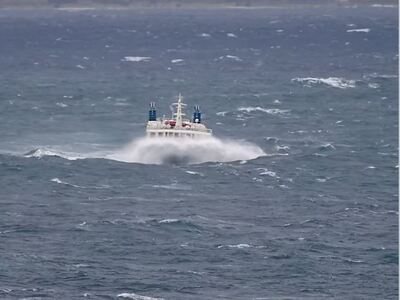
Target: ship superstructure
pixel 178 125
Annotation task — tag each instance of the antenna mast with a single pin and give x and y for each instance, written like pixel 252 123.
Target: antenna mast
pixel 179 111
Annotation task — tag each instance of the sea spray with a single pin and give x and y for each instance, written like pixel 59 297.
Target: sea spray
pixel 186 151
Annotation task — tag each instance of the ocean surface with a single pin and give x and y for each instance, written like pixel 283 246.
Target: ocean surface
pixel 295 197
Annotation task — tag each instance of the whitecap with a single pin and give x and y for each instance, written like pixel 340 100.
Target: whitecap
pixel 205 35
pixel 172 186
pixel 266 172
pixel 319 154
pixel 194 173
pixel 231 35
pixel 352 260
pixel 335 82
pixel 272 111
pixel 277 147
pixel 373 85
pixel 366 30
pixel 42 152
pixel 60 104
pixel 238 246
pixel 136 58
pixel 327 146
pixel 231 57
pixel 221 113
pixel 383 5
pixel 137 297
pixel 168 221
pixel 57 180
pixel 381 76
pixel 80 67
pixel 178 60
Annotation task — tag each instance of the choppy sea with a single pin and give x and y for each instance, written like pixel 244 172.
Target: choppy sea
pixel 295 197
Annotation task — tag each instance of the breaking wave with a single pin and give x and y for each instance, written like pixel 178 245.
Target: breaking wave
pixel 136 58
pixel 137 297
pixel 42 152
pixel 272 111
pixel 335 82
pixel 165 151
pixel 366 30
pixel 186 151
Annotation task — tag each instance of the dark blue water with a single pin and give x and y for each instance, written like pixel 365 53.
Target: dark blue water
pixel 315 216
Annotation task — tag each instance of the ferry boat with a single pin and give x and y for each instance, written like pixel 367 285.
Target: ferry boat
pixel 177 126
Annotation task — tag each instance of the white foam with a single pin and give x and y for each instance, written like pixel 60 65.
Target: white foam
pixel 172 186
pixel 277 147
pixel 383 76
pixel 266 172
pixel 57 180
pixel 221 113
pixel 373 85
pixel 191 151
pixel 194 173
pixel 335 82
pixel 383 5
pixel 233 57
pixel 366 30
pixel 137 297
pixel 136 58
pixel 238 246
pixel 42 152
pixel 168 221
pixel 231 35
pixel 178 60
pixel 272 111
pixel 205 35
pixel 328 146
pixel 60 104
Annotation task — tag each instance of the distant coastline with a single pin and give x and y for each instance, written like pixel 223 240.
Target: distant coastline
pixel 143 4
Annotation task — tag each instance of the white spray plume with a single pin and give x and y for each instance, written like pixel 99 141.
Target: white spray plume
pixel 186 151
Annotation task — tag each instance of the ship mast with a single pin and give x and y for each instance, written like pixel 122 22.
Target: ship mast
pixel 179 111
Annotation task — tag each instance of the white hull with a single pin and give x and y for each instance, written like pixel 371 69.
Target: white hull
pixel 176 133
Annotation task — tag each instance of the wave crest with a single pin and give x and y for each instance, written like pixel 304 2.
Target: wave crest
pixel 335 82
